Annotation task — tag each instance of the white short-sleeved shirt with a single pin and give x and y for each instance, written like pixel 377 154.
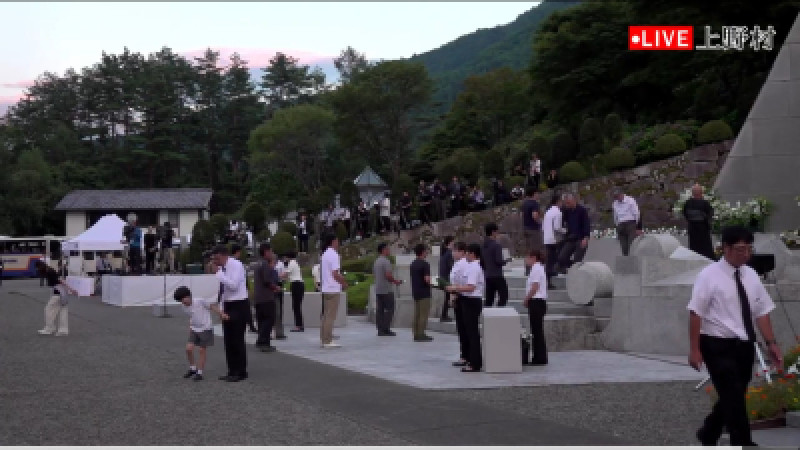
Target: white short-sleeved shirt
pixel 385 207
pixel 457 272
pixel 537 275
pixel 295 274
pixel 553 220
pixel 329 263
pixel 199 314
pixel 315 274
pixel 715 299
pixel 473 274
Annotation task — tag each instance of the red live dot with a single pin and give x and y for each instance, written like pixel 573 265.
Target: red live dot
pixel 660 37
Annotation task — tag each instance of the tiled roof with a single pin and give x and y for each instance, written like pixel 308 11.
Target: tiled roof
pixel 369 178
pixel 187 198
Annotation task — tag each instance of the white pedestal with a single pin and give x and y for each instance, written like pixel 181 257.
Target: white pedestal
pixel 502 351
pixel 146 290
pixel 312 308
pixel 84 285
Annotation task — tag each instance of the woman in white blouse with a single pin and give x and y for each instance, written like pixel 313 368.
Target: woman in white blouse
pixel 536 302
pixel 471 285
pixel 297 288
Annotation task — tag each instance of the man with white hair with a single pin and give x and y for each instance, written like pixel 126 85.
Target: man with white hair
pixel 626 217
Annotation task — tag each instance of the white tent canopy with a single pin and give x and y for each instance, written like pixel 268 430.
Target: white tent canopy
pixel 106 234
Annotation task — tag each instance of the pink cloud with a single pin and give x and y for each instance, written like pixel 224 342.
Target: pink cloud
pixel 259 57
pixel 17 84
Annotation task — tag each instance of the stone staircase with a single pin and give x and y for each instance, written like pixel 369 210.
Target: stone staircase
pixel 567 326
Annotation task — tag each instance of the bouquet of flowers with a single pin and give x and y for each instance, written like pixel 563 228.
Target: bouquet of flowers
pixel 751 213
pixel 440 283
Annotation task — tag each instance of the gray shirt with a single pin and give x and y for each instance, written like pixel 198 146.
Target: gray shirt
pixel 379 269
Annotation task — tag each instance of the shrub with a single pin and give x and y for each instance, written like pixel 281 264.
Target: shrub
pixel 360 265
pixel 467 163
pixel 669 144
pixel 404 183
pixel 591 137
pixel 254 215
pixel 323 198
pixel 219 225
pixel 612 128
pixel 714 131
pixel 620 158
pixel 513 181
pixel 493 164
pixel 358 294
pixel 289 227
pixel 263 235
pixel 282 243
pixel 563 148
pixel 572 171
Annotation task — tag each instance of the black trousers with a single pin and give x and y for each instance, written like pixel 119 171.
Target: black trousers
pixel 265 316
pixel 149 262
pixel 458 310
pixel 233 331
pixel 571 252
pixel 302 242
pixel 471 316
pixel 551 262
pixel 537 308
pixel 496 285
pixel 730 364
pixel 446 304
pixel 298 289
pixel 384 312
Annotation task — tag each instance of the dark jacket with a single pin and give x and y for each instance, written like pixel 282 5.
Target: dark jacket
pixel 577 221
pixel 264 282
pixel 492 258
pixel 446 264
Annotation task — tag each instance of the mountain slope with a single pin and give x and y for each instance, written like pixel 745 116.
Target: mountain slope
pixel 484 50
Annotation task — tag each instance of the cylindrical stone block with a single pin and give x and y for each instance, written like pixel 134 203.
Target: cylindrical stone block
pixel 656 245
pixel 589 280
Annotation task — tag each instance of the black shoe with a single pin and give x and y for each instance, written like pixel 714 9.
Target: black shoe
pixel 538 363
pixel 235 378
pixel 267 349
pixel 445 319
pixel 460 363
pixel 423 339
pixel 190 373
pixel 253 330
pixel 224 377
pixel 281 337
pixel 197 377
pixel 704 441
pixel 297 330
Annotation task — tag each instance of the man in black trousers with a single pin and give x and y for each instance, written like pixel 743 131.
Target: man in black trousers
pixel 233 295
pixel 265 287
pixel 727 297
pixel 493 262
pixel 445 266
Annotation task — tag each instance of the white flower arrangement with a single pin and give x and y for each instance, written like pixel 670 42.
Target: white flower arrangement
pixel 791 238
pixel 725 213
pixel 612 232
pixel 794 369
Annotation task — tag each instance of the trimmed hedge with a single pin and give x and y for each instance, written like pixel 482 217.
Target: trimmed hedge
pixel 572 171
pixel 669 144
pixel 620 158
pixel 714 131
pixel 283 243
pixel 289 227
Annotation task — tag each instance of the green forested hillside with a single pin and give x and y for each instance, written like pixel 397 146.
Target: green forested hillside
pixel 482 51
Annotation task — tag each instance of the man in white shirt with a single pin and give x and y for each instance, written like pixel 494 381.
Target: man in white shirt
pixel 386 223
pixel 471 286
pixel 553 233
pixel 626 218
pixel 283 274
pixel 457 277
pixel 727 297
pixel 233 295
pixel 332 285
pixel 535 171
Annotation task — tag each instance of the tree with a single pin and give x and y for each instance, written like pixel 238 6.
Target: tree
pixel 563 148
pixel 220 224
pixel 284 81
pixel 255 216
pixel 295 144
pixel 612 128
pixel 350 63
pixel 373 112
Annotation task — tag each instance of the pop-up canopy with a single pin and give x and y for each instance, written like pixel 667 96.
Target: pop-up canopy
pixel 106 234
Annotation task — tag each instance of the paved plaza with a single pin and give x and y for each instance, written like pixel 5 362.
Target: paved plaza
pixel 116 380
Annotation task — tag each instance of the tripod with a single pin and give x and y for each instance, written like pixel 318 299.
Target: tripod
pixel 761 363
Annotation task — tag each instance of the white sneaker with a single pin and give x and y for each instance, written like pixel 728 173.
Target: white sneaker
pixel 331 345
pixel 45 331
pixel 62 333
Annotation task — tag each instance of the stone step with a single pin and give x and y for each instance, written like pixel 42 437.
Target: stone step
pixel 518 281
pixel 562 332
pixel 558 295
pixel 566 308
pixel 594 341
pixel 601 323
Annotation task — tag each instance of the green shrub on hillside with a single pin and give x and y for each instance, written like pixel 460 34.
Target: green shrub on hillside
pixel 572 171
pixel 714 131
pixel 669 145
pixel 493 164
pixel 289 227
pixel 563 148
pixel 620 158
pixel 404 183
pixel 612 128
pixel 591 138
pixel 282 243
pixel 263 235
pixel 254 215
pixel 513 181
pixel 219 225
pixel 540 146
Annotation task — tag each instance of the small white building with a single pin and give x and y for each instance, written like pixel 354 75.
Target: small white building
pixel 182 208
pixel 371 187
